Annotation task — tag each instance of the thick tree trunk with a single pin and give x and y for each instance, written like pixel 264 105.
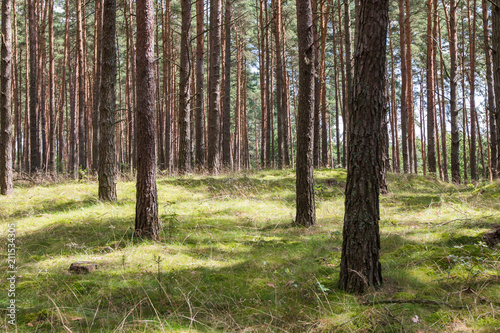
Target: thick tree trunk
pixel 184 164
pixel 306 211
pixel 107 105
pixel 360 267
pixel 146 212
pixel 6 184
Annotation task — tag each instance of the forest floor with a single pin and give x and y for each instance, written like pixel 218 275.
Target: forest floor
pixel 230 259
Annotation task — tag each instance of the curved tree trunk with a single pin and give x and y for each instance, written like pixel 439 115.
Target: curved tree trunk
pixel 360 267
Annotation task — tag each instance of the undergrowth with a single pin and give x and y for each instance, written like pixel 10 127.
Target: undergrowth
pixel 230 259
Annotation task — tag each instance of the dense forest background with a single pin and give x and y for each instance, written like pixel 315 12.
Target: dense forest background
pixel 259 86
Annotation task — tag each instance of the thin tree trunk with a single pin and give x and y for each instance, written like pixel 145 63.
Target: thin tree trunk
pixel 431 144
pixel 184 164
pixel 455 141
pixel 97 81
pixel 200 105
pixel 472 79
pixel 34 120
pixel 214 97
pixel 6 183
pixel 52 95
pixel 226 125
pixel 82 101
pixel 491 95
pixel 404 89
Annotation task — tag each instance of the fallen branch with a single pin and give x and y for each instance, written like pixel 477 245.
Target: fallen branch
pixel 412 301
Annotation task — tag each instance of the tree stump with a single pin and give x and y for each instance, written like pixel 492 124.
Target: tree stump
pixel 492 238
pixel 82 267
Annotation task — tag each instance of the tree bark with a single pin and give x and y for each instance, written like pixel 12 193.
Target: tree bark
pixel 306 211
pixel 214 97
pixel 6 184
pixel 404 83
pixel 472 79
pixel 455 141
pixel 184 164
pixel 97 81
pixel 146 213
pixel 226 118
pixel 200 105
pixel 107 105
pixel 82 100
pixel 491 94
pixel 431 144
pixel 360 267
pixel 34 120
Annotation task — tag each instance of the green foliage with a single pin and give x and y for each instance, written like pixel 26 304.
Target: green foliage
pixel 231 260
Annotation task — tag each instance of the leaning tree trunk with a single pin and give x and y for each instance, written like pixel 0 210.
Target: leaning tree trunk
pixel 146 212
pixel 360 267
pixel 5 100
pixel 306 212
pixel 107 105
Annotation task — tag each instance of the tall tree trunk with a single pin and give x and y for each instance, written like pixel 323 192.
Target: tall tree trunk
pixel 472 79
pixel 495 43
pixel 34 120
pixel 200 105
pixel 82 100
pixel 6 184
pixel 214 97
pixel 431 144
pixel 62 97
pixel 97 81
pixel 412 151
pixel 306 211
pixel 349 77
pixel 226 125
pixel 491 94
pixel 52 95
pixel 107 105
pixel 322 79
pixel 360 267
pixel 455 140
pixel 184 164
pixel 279 82
pixel 146 212
pixel 404 89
